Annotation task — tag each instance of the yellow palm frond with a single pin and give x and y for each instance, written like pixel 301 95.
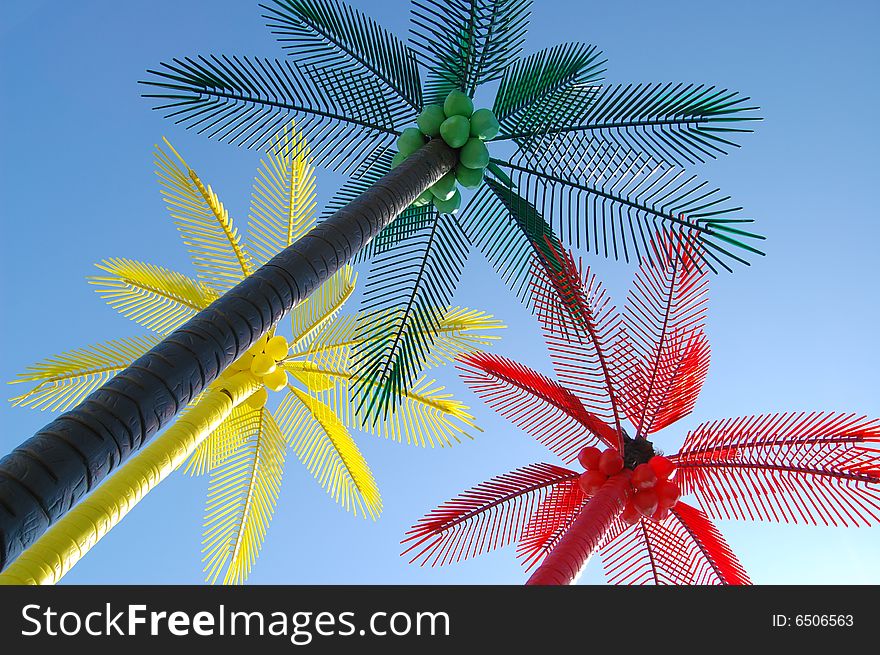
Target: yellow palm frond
pixel 313 377
pixel 159 299
pixel 224 442
pixel 64 380
pixel 241 500
pixel 319 309
pixel 283 201
pixel 324 445
pixel 213 241
pixel 426 415
pixel 459 332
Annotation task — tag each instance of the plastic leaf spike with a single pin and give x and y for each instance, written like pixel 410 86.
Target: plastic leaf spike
pixel 299 386
pixel 643 368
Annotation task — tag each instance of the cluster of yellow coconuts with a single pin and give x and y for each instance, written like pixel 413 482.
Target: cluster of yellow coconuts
pixel 262 361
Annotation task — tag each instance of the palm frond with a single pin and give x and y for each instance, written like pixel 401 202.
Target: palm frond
pixel 533 402
pixel 347 53
pixel 206 227
pixel 676 124
pixel 241 500
pixel 283 201
pixel 491 515
pixel 424 414
pixel 719 561
pixel 554 516
pixel 460 331
pixel 671 552
pixel 580 333
pixel 547 89
pixel 247 100
pixel 790 467
pixel 615 208
pixel 511 234
pixel 663 348
pixel 152 296
pixel 64 380
pixel 466 43
pixel 326 448
pixel 224 442
pixel 314 377
pixel 405 297
pixel 318 310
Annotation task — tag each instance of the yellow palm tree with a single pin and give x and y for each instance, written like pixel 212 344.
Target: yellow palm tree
pixel 229 431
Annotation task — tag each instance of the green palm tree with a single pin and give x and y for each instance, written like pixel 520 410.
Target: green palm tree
pixel 607 164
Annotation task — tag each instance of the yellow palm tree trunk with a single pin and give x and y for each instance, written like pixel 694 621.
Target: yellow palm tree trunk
pixel 63 545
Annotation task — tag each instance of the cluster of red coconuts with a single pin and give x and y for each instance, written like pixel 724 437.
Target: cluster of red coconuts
pixel 651 494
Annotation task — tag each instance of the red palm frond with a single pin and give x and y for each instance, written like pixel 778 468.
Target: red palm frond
pixel 720 561
pixel 550 521
pixel 491 515
pixel 541 407
pixel 579 324
pixel 682 382
pixel 792 467
pixel 683 549
pixel 664 358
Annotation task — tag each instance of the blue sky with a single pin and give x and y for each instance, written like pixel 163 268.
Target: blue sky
pixel 795 331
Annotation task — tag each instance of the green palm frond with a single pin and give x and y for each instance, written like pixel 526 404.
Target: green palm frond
pixel 671 123
pixel 404 299
pixel 466 43
pixel 321 307
pixel 553 87
pixel 247 100
pixel 283 201
pixel 510 233
pixel 64 380
pixel 408 223
pixel 614 212
pixel 326 448
pixel 159 299
pixel 241 500
pixel 206 227
pixel 224 442
pixel 343 52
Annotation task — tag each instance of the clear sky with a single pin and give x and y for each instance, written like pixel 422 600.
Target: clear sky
pixel 796 331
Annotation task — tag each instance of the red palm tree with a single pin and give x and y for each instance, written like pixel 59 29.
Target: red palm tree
pixel 645 367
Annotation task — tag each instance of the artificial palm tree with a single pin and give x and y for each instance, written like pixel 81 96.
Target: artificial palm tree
pixel 645 366
pixel 609 159
pixel 244 445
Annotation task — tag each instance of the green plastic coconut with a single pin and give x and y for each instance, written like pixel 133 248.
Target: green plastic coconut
pixel 469 178
pixel 474 154
pixel 410 140
pixel 458 104
pixel 424 199
pixel 430 119
pixel 444 188
pixel 397 159
pixel 455 130
pixel 450 206
pixel 484 125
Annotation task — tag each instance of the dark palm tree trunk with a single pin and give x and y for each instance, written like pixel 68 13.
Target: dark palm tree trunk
pixel 47 474
pixel 565 561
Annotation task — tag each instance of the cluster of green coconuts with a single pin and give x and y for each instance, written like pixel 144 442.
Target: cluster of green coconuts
pixel 456 122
